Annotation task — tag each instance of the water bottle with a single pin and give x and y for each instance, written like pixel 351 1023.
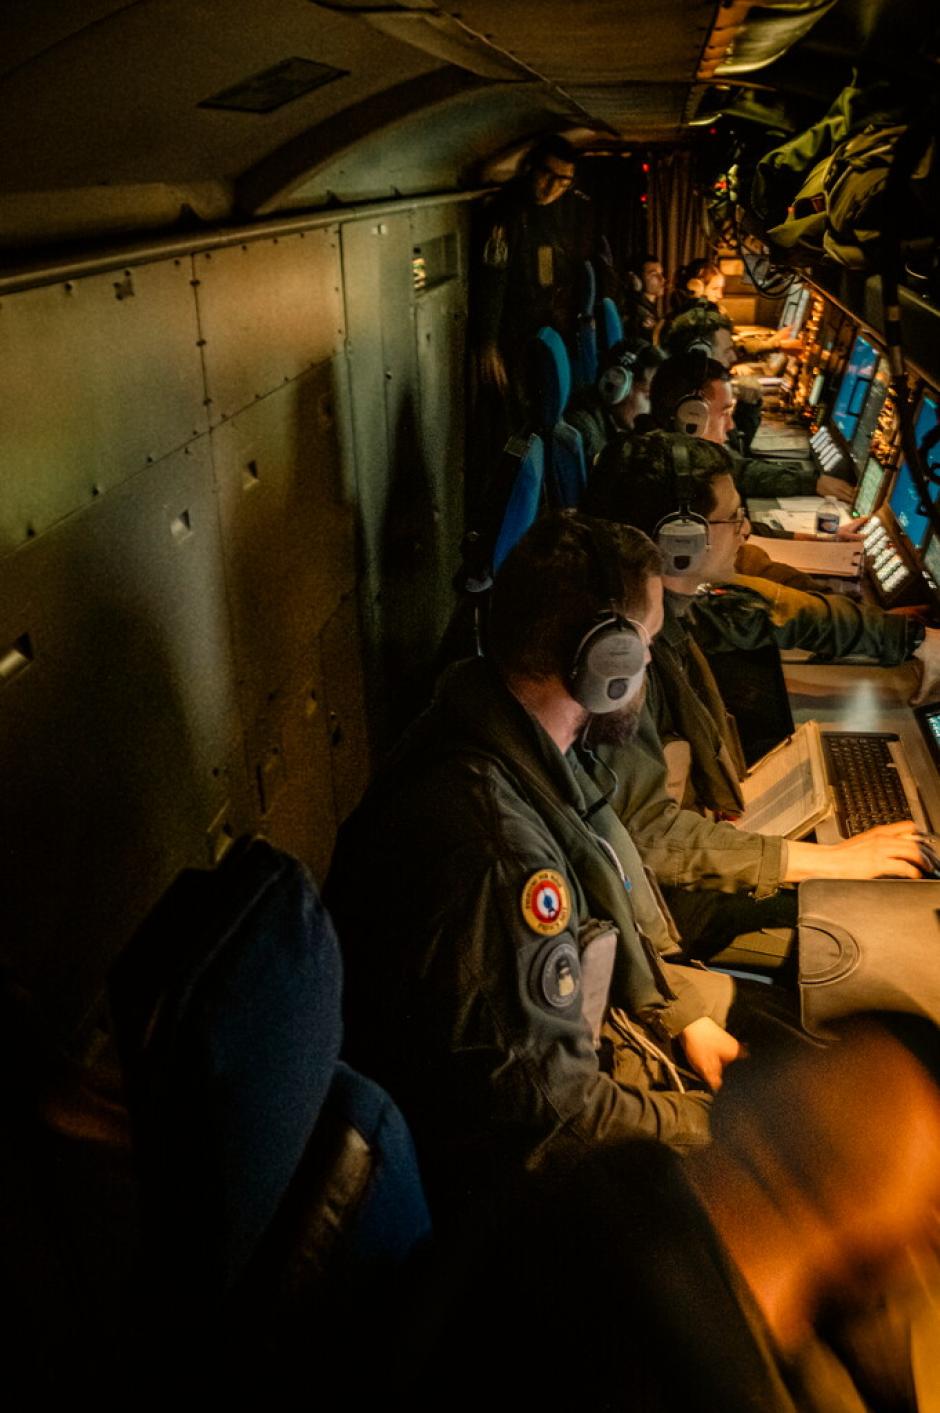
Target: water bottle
pixel 828 518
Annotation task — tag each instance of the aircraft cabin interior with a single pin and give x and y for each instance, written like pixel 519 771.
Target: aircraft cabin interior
pixel 274 410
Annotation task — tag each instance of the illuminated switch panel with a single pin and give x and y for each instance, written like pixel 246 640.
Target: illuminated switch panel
pixel 888 568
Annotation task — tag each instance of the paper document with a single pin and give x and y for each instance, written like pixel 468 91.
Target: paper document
pixel 811 504
pixel 801 522
pixel 786 792
pixel 841 557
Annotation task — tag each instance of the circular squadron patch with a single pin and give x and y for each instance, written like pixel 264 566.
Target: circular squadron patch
pixel 560 975
pixel 546 904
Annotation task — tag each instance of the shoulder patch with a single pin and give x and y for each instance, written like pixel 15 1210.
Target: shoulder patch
pixel 546 902
pixel 559 976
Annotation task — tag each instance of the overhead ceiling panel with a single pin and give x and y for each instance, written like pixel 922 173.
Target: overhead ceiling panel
pixel 434 151
pixel 28 27
pixel 645 112
pixel 607 41
pixel 117 101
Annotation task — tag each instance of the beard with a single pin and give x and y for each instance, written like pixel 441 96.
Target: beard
pixel 616 728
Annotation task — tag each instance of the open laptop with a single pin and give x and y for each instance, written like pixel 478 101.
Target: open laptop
pixel 838 783
pixel 800 779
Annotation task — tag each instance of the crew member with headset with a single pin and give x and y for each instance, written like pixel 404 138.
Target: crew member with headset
pixel 679 489
pixel 606 412
pixel 645 283
pixel 699 383
pixel 494 913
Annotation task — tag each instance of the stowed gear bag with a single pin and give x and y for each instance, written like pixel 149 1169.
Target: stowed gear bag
pixel 856 186
pixel 821 196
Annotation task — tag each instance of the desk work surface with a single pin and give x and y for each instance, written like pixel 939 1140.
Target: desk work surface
pixel 857 698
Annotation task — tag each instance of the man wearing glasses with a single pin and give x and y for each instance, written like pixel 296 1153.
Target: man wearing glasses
pixel 535 237
pixel 709 610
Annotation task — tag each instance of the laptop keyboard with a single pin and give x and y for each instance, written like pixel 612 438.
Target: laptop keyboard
pixel 864 779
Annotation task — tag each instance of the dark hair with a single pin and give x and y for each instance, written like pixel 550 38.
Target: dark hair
pixel 700 322
pixel 638 261
pixel 553 145
pixel 648 360
pixel 647 357
pixel 701 269
pixel 680 377
pixel 635 483
pixel 553 586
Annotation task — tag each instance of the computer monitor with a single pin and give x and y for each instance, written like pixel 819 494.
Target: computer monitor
pixel 869 487
pixel 854 387
pixel 931 560
pixel 906 504
pixel 868 421
pixel 905 498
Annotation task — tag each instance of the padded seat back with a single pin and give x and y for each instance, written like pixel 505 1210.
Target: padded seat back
pixel 611 324
pixel 226 1008
pixel 584 361
pixel 566 453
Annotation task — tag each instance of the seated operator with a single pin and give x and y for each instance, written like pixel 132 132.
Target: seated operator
pixel 492 910
pixel 703 324
pixel 640 304
pixel 696 284
pixel 693 393
pixel 606 411
pixel 686 705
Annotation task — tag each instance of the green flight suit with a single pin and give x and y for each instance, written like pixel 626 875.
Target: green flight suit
pixel 685 848
pixel 751 613
pixel 470 1009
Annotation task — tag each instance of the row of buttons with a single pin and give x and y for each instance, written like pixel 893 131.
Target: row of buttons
pixel 882 555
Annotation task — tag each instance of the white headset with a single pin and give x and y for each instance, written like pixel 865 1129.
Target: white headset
pixel 683 536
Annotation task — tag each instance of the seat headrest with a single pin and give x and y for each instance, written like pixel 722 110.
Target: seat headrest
pixel 553 376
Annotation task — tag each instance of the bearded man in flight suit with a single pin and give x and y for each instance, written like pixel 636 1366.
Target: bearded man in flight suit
pixel 503 948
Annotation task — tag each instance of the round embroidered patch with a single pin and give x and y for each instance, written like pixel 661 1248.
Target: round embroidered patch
pixel 546 905
pixel 560 976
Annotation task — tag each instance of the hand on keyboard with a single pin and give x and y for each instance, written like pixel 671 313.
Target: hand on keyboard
pixel 888 850
pixel 851 530
pixel 927 657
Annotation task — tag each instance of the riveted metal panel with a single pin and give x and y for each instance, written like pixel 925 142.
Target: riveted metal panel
pixel 431 222
pixel 98 378
pixel 289 539
pixel 440 341
pixel 290 767
pixel 401 527
pixel 120 750
pixel 347 689
pixel 363 247
pixel 268 310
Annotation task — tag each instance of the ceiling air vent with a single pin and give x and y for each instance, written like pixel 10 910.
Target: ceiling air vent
pixel 272 88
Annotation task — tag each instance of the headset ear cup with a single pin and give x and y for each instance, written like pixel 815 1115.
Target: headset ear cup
pixel 691 416
pixel 614 384
pixel 608 667
pixel 682 540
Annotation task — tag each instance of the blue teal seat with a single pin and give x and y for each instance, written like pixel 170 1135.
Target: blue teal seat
pixel 568 473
